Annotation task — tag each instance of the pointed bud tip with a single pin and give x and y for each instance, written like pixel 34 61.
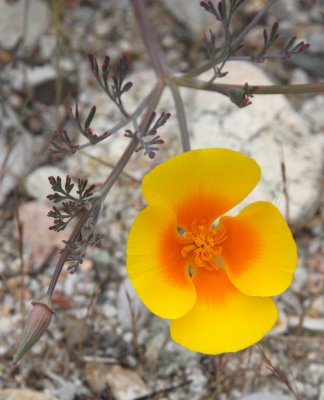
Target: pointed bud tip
pixel 38 320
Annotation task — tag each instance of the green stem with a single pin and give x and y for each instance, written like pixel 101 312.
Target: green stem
pixel 194 83
pixel 181 115
pixel 259 89
pixel 291 89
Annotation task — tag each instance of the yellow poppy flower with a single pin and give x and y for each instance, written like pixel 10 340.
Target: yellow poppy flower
pixel 213 276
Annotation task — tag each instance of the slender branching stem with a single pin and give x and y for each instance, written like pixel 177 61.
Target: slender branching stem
pixel 102 193
pixel 61 261
pixel 224 88
pixel 194 83
pixel 124 122
pixel 154 49
pixel 257 58
pixel 181 115
pixel 123 110
pixel 290 89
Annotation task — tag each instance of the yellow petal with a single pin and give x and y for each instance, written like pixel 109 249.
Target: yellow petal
pixel 155 265
pixel 223 319
pixel 201 184
pixel 259 254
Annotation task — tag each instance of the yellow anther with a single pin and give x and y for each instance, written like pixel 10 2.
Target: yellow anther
pixel 202 244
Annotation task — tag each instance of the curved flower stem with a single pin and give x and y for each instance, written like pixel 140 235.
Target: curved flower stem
pixel 153 47
pixel 208 65
pixel 257 89
pixel 181 115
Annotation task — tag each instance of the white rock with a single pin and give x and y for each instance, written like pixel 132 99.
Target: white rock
pixel 66 390
pixel 2 266
pixel 109 310
pixel 318 304
pixel 321 392
pixel 37 75
pixel 24 75
pixel 312 324
pixel 12 22
pixel 301 276
pixel 266 396
pixel 312 110
pixel 199 384
pixel 288 7
pixel 193 15
pixel 268 130
pixel 315 374
pixel 6 324
pixel 47 46
pixel 292 301
pixel 24 394
pixel 125 384
pixel 16 162
pixel 317 41
pixel 37 184
pixel 281 325
pixel 306 391
pixel 299 77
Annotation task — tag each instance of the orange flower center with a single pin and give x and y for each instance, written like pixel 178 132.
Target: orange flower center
pixel 203 245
